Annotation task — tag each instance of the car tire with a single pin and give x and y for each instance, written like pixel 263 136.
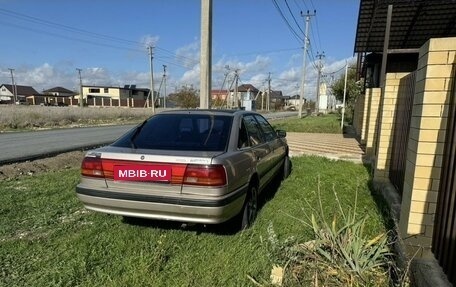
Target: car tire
pixel 250 209
pixel 286 169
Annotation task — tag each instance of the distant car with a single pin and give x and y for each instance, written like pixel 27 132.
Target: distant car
pixel 202 166
pixel 291 108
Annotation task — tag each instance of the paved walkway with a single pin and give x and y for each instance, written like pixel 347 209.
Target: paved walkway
pixel 334 146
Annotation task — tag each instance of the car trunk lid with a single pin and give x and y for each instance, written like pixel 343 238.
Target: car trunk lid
pixel 130 170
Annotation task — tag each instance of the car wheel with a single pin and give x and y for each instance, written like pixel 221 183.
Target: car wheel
pixel 286 167
pixel 250 210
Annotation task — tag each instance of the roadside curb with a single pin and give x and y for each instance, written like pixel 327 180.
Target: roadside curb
pixel 51 154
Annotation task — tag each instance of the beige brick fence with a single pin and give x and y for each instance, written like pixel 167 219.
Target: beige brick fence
pixel 426 139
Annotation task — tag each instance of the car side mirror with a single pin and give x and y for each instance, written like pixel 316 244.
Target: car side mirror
pixel 281 133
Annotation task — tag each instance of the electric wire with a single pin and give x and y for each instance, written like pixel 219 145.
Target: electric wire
pixel 294 19
pixel 295 34
pixel 335 72
pixel 36 20
pixel 183 61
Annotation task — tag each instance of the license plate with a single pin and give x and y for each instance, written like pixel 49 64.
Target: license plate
pixel 142 172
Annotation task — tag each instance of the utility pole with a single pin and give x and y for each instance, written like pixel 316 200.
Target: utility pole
pixel 320 67
pixel 236 79
pixel 164 92
pixel 221 88
pixel 152 92
pixel 81 97
pixel 345 93
pixel 13 85
pixel 206 53
pixel 304 62
pixel 268 103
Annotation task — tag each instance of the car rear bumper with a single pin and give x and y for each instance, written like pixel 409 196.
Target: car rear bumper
pixel 207 211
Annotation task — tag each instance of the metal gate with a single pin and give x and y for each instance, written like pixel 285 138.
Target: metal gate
pixel 401 131
pixel 444 239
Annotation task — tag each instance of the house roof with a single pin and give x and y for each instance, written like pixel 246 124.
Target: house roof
pixel 58 90
pixel 276 94
pixel 412 24
pixel 22 90
pixel 246 88
pixel 219 91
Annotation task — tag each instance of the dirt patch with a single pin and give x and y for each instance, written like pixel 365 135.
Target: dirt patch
pixel 29 168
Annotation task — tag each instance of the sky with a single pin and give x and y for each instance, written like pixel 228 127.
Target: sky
pixel 46 41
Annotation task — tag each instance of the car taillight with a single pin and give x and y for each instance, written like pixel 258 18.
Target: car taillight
pixel 205 175
pixel 192 174
pixel 92 166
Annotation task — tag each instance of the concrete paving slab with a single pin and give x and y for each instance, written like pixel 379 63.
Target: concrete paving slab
pixel 333 146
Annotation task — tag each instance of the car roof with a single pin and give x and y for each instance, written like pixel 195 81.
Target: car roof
pixel 226 112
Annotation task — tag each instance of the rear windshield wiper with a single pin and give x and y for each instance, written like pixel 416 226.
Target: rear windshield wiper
pixel 135 134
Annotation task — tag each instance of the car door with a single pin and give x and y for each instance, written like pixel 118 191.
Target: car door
pixel 260 149
pixel 278 149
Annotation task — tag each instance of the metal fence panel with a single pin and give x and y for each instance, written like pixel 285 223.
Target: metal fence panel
pixel 444 238
pixel 401 131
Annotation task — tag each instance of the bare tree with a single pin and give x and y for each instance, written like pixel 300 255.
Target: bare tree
pixel 185 98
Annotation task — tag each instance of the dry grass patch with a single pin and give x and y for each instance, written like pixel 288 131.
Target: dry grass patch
pixel 35 117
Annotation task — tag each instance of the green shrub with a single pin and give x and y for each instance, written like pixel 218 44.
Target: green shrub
pixel 340 253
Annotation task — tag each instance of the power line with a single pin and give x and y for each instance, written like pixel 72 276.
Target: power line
pixel 61 26
pixel 318 32
pixel 332 73
pixel 296 22
pixel 299 6
pixel 311 3
pixel 83 32
pixel 265 52
pixel 286 22
pixel 304 2
pixel 67 37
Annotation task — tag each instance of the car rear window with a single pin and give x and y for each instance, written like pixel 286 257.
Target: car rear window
pixel 180 132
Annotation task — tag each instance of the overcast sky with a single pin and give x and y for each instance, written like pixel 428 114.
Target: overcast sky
pixel 45 41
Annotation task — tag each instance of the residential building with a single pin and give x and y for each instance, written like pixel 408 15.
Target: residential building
pixel 115 93
pixel 22 92
pixel 59 92
pixel 219 95
pixel 52 97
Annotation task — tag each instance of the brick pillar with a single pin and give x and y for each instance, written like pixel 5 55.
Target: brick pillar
pixel 363 133
pixel 388 117
pixel 371 125
pixel 426 144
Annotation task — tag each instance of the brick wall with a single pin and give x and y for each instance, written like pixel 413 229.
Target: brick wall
pixel 426 144
pixel 372 116
pixel 365 110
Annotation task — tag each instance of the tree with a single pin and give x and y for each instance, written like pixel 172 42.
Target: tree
pixel 354 88
pixel 186 97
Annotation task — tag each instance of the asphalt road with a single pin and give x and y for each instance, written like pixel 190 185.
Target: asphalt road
pixel 22 146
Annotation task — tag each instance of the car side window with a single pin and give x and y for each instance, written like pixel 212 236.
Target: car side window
pixel 253 130
pixel 243 140
pixel 268 131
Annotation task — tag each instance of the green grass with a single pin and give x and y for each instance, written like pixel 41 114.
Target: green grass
pixel 48 239
pixel 329 123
